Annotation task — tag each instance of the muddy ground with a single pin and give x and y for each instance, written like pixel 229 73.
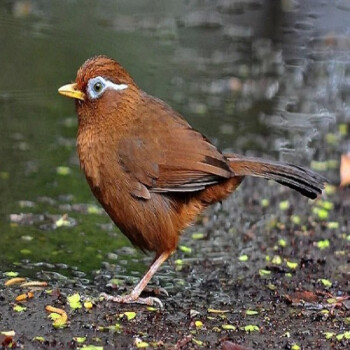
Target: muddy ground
pixel 267 269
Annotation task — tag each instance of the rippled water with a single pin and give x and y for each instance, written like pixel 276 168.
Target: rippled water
pixel 260 77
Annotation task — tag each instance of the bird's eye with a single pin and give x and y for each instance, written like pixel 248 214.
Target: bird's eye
pixel 98 87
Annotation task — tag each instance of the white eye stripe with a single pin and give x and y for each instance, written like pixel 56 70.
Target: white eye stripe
pixel 97 86
pixel 113 86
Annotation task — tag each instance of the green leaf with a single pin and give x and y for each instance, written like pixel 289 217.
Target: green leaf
pixel 333 224
pixel 130 315
pixel 185 249
pixel 197 235
pixel 276 260
pixel 62 221
pixel 320 212
pixel 295 219
pixel 325 205
pixel 74 301
pixel 325 282
pixel 141 344
pixel 94 209
pixel 263 272
pixel 217 311
pixel 340 336
pixel 228 327
pixel 332 301
pixel 63 170
pixel 271 286
pixel 8 333
pixel 179 262
pixel 117 327
pixel 282 242
pixel 323 244
pixel 151 308
pixel 328 335
pixel 264 203
pixel 11 274
pixel 19 308
pixel 243 258
pixel 41 339
pixel 197 341
pixel 54 316
pixel 251 312
pixel 284 205
pixel 251 328
pixel 292 265
pixel 79 340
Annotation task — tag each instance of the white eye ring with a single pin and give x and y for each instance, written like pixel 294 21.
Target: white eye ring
pixel 97 86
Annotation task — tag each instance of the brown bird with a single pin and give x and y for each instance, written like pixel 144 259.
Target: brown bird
pixel 153 173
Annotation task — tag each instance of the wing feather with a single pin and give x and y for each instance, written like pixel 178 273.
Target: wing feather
pixel 175 158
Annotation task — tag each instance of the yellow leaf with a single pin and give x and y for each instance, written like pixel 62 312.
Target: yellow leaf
pixel 243 258
pixel 228 327
pixel 292 265
pixel 198 324
pixel 130 315
pixel 251 328
pixel 74 301
pixel 88 305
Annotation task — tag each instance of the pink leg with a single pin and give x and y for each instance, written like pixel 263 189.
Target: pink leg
pixel 134 296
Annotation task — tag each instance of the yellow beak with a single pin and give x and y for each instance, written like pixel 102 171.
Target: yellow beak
pixel 70 90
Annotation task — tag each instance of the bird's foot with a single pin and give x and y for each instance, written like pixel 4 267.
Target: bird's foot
pixel 132 299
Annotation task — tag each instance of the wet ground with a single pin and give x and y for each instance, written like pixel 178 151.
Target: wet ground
pixel 265 269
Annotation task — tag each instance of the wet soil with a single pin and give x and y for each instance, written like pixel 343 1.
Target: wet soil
pixel 264 270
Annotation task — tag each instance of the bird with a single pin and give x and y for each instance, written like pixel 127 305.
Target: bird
pixel 150 170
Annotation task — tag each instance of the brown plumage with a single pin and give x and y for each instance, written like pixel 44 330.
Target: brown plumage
pixel 151 171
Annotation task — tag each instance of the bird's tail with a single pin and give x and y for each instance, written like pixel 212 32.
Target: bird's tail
pixel 305 181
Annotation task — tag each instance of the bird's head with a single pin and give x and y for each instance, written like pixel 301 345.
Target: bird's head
pixel 101 89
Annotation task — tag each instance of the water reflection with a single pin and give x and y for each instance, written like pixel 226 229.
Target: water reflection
pixel 265 77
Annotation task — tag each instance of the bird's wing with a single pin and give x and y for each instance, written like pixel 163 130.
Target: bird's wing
pixel 170 156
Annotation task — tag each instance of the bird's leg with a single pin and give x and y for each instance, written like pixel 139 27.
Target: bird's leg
pixel 134 296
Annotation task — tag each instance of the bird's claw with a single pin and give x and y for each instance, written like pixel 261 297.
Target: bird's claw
pixel 130 299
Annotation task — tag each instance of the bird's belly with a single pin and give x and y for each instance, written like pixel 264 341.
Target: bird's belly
pixel 150 224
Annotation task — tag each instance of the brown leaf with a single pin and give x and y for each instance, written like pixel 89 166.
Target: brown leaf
pixel 305 296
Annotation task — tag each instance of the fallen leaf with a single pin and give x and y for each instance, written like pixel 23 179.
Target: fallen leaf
pixel 305 296
pixel 345 170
